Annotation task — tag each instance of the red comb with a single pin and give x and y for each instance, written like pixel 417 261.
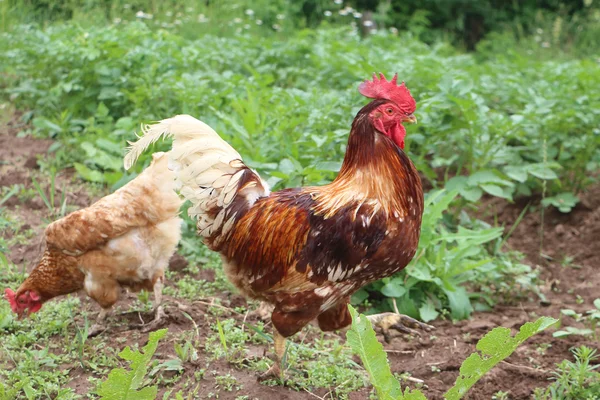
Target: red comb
pixel 381 88
pixel 10 296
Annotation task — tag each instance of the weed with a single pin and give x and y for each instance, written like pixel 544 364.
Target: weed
pixel 500 395
pixel 567 262
pixel 230 341
pixel 49 199
pixel 448 256
pixel 81 338
pixel 494 347
pixel 574 380
pixel 227 382
pixel 590 319
pixel 542 348
pixel 129 385
pixel 187 351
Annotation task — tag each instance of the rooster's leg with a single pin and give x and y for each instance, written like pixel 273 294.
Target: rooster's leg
pixel 159 312
pixel 275 372
pixel 99 326
pixel 402 323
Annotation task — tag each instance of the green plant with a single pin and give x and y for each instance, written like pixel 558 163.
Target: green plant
pixel 229 341
pixel 449 255
pixel 49 200
pixel 186 352
pixel 591 321
pixel 574 380
pixel 565 202
pixel 494 347
pixel 81 337
pixel 227 382
pixel 8 194
pixel 361 338
pixel 129 385
pixel 500 395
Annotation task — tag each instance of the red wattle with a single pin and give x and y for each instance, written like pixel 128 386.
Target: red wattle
pixel 397 133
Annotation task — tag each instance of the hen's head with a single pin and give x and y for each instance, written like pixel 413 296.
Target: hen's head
pixel 23 303
pixel 397 108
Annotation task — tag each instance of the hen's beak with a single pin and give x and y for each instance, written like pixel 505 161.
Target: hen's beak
pixel 410 118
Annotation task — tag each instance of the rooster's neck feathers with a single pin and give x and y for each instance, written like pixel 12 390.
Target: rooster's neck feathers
pixel 375 173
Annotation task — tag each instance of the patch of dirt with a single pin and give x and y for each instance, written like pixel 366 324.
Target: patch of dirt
pixel 433 359
pixel 19 166
pixel 567 258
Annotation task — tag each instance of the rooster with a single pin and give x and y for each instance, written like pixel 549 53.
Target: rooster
pixel 306 250
pixel 124 239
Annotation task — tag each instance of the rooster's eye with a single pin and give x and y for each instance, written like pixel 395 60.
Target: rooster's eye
pixel 389 111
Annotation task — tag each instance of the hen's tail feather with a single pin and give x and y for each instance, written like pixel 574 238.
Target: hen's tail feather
pixel 209 173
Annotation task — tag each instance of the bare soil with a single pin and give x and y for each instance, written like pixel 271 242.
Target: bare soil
pixel 434 360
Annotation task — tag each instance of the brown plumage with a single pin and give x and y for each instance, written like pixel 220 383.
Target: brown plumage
pixel 124 239
pixel 315 246
pixel 305 250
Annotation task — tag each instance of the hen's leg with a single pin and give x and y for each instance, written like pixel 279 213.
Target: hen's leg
pixel 159 312
pixel 106 293
pixel 275 372
pixel 402 323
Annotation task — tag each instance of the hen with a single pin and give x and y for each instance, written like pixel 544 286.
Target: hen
pixel 124 239
pixel 306 250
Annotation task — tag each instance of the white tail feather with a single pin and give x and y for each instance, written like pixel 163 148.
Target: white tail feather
pixel 207 169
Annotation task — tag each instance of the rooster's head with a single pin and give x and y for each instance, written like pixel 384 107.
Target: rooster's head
pixel 398 106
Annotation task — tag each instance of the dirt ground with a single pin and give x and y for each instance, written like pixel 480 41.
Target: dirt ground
pixel 433 360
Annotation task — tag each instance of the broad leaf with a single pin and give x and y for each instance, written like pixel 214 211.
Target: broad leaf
pixel 361 338
pixel 126 385
pixel 494 347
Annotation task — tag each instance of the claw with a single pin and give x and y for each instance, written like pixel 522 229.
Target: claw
pixel 272 373
pixel 401 323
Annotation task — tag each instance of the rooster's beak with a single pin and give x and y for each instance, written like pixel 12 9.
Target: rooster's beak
pixel 410 118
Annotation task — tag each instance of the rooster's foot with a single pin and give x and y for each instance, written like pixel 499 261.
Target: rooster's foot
pixel 402 323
